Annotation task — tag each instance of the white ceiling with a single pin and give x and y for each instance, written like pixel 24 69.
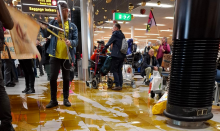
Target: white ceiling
pixel 140 36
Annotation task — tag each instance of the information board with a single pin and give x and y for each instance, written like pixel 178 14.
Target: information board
pixel 122 16
pixel 39 6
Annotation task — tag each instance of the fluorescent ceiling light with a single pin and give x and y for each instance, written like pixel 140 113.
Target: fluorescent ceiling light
pixel 166 30
pixel 171 35
pixel 19 5
pixel 100 31
pixel 126 32
pixel 151 34
pixel 136 42
pixel 104 27
pixel 152 39
pixel 120 22
pixel 169 18
pixel 157 24
pixel 138 15
pixel 107 37
pixel 95 34
pixel 139 29
pixel 162 37
pixel 156 5
pixel 141 36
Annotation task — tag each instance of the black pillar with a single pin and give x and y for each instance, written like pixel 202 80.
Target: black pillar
pixel 76 19
pixel 196 36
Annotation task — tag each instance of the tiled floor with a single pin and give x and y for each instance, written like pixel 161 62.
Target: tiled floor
pixel 92 110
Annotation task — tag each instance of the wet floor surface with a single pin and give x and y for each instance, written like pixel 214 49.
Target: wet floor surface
pixel 93 110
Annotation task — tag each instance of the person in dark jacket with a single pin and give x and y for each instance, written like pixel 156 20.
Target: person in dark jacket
pixel 150 63
pixel 46 58
pixel 59 57
pixel 117 56
pixel 5 109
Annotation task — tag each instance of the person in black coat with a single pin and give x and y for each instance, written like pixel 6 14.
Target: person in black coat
pixel 46 59
pixel 117 56
pixel 150 64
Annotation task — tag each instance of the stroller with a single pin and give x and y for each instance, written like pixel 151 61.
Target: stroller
pixel 98 69
pixel 134 61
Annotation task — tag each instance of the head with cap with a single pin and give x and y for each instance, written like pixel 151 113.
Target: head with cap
pixel 116 27
pixel 65 11
pixel 151 52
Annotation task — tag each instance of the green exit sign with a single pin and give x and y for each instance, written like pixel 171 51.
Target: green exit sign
pixel 121 16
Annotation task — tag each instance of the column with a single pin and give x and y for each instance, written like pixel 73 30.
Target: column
pixel 132 32
pixel 86 39
pixel 196 37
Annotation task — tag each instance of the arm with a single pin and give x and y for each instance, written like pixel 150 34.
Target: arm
pixel 167 50
pixel 5 17
pixel 145 65
pixel 74 41
pixel 112 39
pixel 44 32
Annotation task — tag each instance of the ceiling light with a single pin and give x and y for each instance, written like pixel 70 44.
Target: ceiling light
pixel 166 30
pixel 120 22
pixel 141 36
pixel 152 39
pixel 95 34
pixel 151 34
pixel 171 35
pixel 104 27
pixel 136 42
pixel 107 37
pixel 156 5
pixel 162 37
pixel 169 18
pixel 138 15
pixel 157 24
pixel 19 5
pixel 139 29
pixel 100 31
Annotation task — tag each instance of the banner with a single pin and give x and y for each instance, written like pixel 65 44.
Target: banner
pixel 24 34
pixel 9 43
pixel 151 22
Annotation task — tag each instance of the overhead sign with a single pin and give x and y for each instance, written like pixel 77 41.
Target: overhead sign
pixel 122 16
pixel 39 6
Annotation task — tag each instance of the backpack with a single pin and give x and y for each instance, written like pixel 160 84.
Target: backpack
pixel 107 66
pixel 124 46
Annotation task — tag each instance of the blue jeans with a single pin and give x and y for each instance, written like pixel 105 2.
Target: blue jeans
pixel 116 69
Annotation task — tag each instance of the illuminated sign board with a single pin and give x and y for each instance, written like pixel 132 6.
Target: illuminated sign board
pixel 39 6
pixel 122 16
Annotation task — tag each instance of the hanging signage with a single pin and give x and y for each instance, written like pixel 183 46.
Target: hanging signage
pixel 39 6
pixel 122 16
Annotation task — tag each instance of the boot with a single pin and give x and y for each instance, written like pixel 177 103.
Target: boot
pixel 26 90
pixel 66 103
pixel 117 88
pixel 32 90
pixel 52 104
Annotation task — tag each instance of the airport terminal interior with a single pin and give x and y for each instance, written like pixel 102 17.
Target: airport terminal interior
pixel 167 79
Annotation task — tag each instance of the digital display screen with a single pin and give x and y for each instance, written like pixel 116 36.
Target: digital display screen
pixel 39 6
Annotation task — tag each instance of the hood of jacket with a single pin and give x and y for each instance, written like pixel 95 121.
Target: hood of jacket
pixel 118 34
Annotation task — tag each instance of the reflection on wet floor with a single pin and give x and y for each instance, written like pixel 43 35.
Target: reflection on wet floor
pixel 93 110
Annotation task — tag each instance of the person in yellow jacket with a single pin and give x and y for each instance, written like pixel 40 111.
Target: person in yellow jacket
pixel 156 47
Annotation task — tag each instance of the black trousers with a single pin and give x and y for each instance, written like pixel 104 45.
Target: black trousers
pixel 5 109
pixel 56 64
pixel 27 66
pixel 116 69
pixel 160 61
pixel 40 67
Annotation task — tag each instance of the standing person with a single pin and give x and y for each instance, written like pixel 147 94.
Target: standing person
pixel 58 54
pixel 8 72
pixel 163 49
pixel 5 109
pixel 46 58
pixel 117 56
pixel 156 47
pixel 39 47
pixel 27 66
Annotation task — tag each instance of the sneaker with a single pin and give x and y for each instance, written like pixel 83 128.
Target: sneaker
pixel 66 103
pixel 52 104
pixel 70 92
pixel 147 82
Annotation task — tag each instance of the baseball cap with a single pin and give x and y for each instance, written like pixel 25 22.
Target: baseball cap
pixel 63 5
